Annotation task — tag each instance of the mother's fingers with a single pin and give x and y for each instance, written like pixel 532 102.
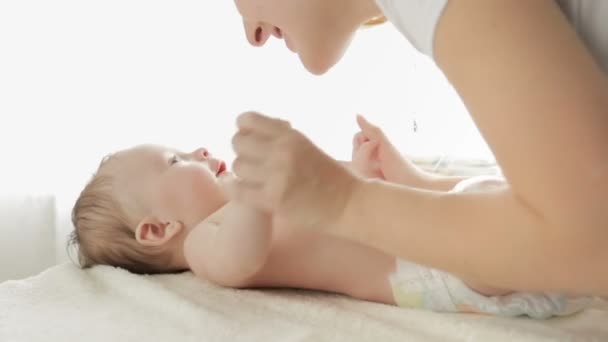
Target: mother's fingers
pixel 261 124
pixel 249 146
pixel 251 172
pixel 252 194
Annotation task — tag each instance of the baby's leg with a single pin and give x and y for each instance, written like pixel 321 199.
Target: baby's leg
pixel 480 184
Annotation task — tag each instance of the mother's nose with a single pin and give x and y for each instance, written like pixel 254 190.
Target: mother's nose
pixel 257 33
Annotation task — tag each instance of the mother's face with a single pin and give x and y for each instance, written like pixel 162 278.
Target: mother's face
pixel 319 31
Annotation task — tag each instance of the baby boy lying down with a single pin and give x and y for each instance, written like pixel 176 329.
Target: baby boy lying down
pixel 153 209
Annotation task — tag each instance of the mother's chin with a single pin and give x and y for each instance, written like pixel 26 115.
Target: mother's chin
pixel 315 66
pixel 319 61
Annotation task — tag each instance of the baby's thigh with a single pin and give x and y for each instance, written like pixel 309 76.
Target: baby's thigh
pixel 480 184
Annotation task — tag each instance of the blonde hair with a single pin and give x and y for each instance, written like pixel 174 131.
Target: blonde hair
pixel 375 21
pixel 103 231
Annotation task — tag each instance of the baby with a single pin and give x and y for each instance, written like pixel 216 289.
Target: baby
pixel 153 209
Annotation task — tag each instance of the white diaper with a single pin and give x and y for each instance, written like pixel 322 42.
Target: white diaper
pixel 416 286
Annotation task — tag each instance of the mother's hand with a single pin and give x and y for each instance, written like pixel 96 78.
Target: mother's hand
pixel 282 171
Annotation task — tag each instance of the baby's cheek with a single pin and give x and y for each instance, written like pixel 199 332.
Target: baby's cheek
pixel 203 185
pixel 196 178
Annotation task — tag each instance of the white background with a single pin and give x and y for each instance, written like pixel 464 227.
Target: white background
pixel 80 79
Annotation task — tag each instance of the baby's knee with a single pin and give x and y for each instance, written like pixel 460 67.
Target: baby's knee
pixel 480 183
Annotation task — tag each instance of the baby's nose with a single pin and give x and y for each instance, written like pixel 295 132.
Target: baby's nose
pixel 201 153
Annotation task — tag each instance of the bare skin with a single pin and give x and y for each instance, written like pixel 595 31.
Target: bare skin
pixel 297 258
pixel 303 259
pixel 537 95
pixel 241 247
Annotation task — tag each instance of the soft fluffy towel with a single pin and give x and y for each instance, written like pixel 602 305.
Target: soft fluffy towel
pixel 106 304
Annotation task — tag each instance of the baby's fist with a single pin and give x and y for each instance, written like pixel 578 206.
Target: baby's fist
pixel 365 157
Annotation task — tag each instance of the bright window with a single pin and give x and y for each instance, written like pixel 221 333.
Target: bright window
pixel 79 79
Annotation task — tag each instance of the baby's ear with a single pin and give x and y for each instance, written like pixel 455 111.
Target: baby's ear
pixel 153 232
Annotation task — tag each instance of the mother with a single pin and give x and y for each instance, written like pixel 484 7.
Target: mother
pixel 532 75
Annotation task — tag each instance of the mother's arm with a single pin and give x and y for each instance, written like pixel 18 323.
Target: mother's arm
pixel 541 102
pixel 539 99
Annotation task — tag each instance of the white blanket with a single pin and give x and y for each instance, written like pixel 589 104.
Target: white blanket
pixel 106 304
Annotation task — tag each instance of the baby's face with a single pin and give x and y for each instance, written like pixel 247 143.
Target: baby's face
pixel 170 184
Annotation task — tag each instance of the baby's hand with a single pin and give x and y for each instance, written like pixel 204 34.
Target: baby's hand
pixel 387 161
pixel 365 157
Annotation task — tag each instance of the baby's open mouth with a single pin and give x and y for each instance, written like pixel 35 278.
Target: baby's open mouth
pixel 221 169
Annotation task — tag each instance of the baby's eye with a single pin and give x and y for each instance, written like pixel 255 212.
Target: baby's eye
pixel 174 159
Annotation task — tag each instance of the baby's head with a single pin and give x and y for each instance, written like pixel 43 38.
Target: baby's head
pixel 139 206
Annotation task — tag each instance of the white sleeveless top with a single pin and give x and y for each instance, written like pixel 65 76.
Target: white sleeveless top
pixel 417 20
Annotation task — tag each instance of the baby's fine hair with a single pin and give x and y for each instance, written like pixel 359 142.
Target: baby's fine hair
pixel 104 232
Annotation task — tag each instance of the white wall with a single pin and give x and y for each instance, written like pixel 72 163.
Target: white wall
pixel 79 79
pixel 27 233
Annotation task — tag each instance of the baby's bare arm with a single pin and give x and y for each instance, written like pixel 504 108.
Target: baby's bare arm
pixel 230 246
pixel 372 149
pixel 421 179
